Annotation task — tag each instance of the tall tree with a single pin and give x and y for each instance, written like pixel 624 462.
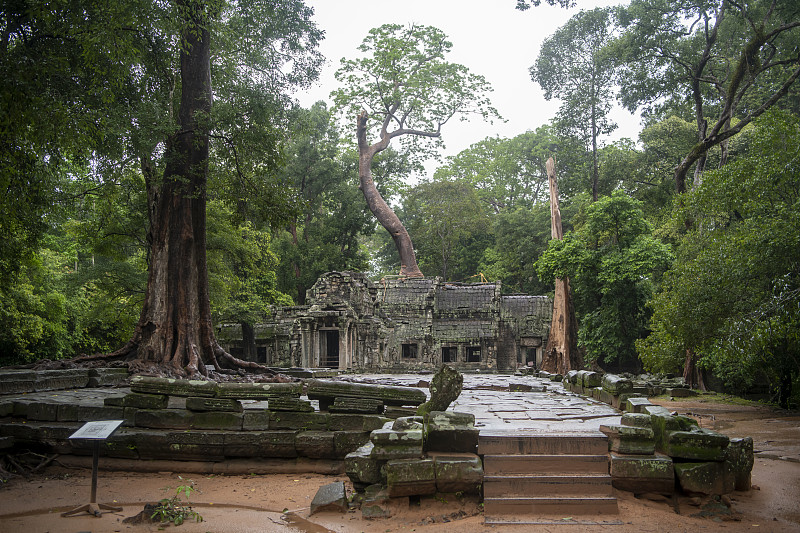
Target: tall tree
pixel 730 61
pixel 573 67
pixel 404 88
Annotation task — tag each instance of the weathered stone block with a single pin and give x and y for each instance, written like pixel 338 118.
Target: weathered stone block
pixel 616 385
pixel 315 444
pixel 76 378
pixel 357 406
pixel 178 445
pixel 448 431
pixel 17 381
pixel 300 421
pixel 639 420
pixel 255 419
pixel 42 411
pixel 739 460
pixel 361 467
pixel 173 387
pixel 85 413
pixel 260 444
pixel 596 392
pixel 699 444
pixel 457 472
pixel 345 442
pixel 290 403
pixel 105 377
pixel 181 419
pixel 258 391
pixel 663 423
pixel 138 400
pixel 571 377
pixel 636 404
pixel 445 388
pixel 329 390
pixel 408 477
pixel 396 444
pixel 643 473
pixel 330 497
pixel 629 439
pixel 355 422
pixel 705 478
pixel 591 379
pixel 680 392
pixel 606 397
pixel 213 404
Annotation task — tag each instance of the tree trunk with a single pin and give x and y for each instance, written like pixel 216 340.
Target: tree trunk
pixel 561 353
pixel 385 215
pixel 692 375
pixel 248 342
pixel 174 334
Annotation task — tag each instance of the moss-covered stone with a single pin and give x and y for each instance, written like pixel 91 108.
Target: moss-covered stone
pixel 259 391
pixel 361 467
pixel 616 385
pixel 138 400
pixel 458 472
pixel 705 478
pixel 173 387
pixel 213 404
pixel 643 473
pixel 448 431
pixel 315 444
pixel 445 388
pixel 699 444
pixel 408 477
pixel 260 444
pixel 739 459
pixel 299 421
pixel 629 439
pixel 329 390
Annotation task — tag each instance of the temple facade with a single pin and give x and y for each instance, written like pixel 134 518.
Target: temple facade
pixel 396 325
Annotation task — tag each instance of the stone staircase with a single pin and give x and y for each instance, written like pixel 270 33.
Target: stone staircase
pixel 545 478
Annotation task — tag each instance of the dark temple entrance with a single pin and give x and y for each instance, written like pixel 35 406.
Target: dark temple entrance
pixel 329 357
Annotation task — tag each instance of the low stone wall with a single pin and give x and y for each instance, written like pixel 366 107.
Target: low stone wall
pixel 653 450
pixel 204 421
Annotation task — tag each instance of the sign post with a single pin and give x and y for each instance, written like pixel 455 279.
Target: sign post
pixel 97 432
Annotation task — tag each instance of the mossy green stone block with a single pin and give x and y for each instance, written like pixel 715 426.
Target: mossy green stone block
pixel 635 404
pixel 298 421
pixel 409 477
pixel 639 420
pixel 642 473
pixel 138 400
pixel 705 478
pixel 448 431
pixel 591 379
pixel 616 385
pixel 703 445
pixel 290 403
pixel 315 444
pixel 329 390
pixel 629 439
pixel 739 458
pixel 361 467
pixel 461 472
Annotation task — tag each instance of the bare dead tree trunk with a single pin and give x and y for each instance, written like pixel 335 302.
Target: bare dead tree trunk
pixel 385 215
pixel 561 353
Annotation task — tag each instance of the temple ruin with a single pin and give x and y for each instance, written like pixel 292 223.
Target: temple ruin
pixel 400 324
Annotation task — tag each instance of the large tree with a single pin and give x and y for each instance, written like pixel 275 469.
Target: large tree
pixel 573 67
pixel 729 61
pixel 163 123
pixel 404 87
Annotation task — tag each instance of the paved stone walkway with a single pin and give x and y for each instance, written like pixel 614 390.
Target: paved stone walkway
pixel 547 407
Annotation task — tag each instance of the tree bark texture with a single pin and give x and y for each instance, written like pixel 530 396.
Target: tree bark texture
pixel 385 215
pixel 561 353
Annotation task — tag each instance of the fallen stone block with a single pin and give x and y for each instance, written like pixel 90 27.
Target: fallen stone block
pixel 355 422
pixel 409 477
pixel 361 467
pixel 330 497
pixel 590 379
pixel 213 404
pixel 345 442
pixel 259 391
pixel 629 439
pixel 173 387
pixel 106 377
pixel 445 387
pixel 616 385
pixel 699 444
pixel 643 473
pixel 457 472
pixel 636 404
pixel 639 420
pixel 663 422
pixel 680 392
pixel 255 419
pixel 403 443
pixel 448 431
pixel 328 391
pixel 357 406
pixel 706 478
pixel 290 403
pixel 571 377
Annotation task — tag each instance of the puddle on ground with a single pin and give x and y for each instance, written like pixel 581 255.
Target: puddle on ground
pixel 298 522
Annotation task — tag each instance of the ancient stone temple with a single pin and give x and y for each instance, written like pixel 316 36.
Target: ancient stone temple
pixel 352 323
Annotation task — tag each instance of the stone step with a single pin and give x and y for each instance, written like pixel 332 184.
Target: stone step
pixel 498 509
pixel 542 444
pixel 545 464
pixel 547 485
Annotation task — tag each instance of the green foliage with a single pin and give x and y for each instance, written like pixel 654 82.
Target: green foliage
pixel 174 510
pixel 408 88
pixel 612 262
pixel 733 294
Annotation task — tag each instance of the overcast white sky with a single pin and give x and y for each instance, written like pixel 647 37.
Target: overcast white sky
pixel 489 37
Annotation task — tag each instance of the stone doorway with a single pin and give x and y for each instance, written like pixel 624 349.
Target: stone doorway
pixel 329 348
